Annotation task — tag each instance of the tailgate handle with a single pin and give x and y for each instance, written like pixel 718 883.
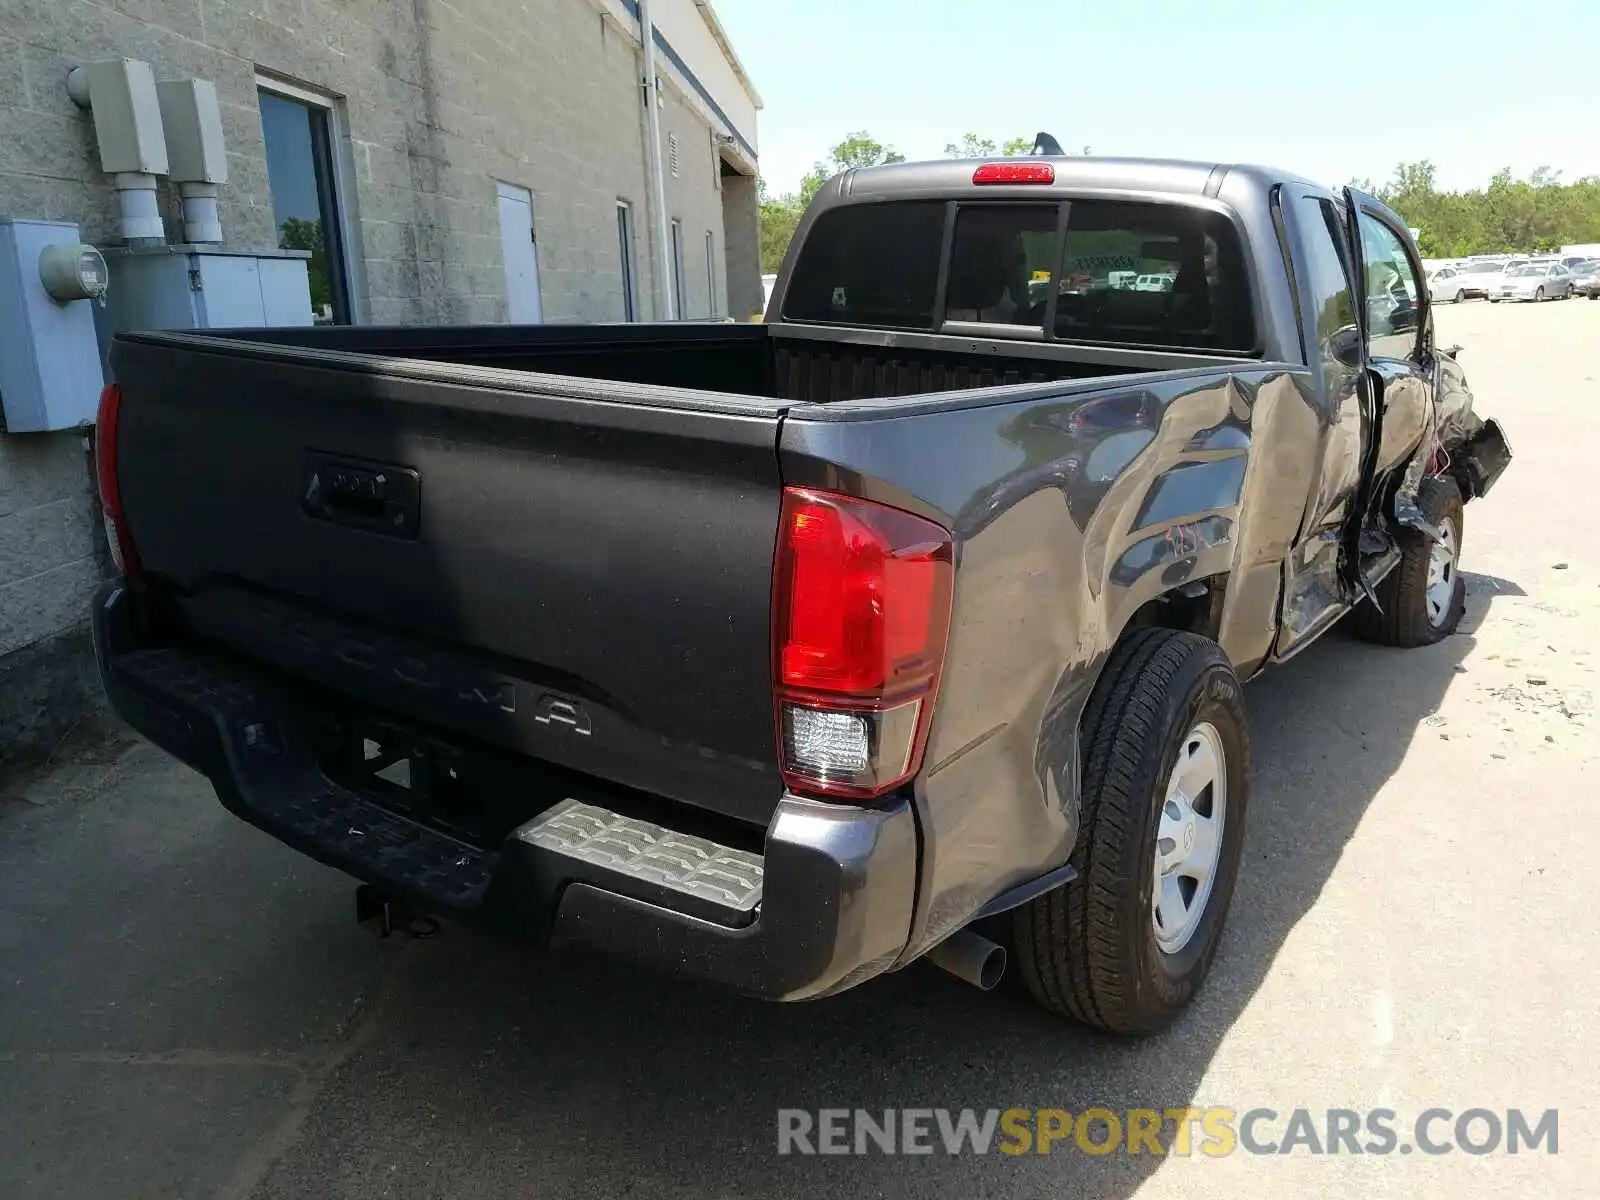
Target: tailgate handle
pixel 378 497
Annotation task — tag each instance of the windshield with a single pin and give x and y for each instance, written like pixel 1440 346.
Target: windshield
pixel 1528 269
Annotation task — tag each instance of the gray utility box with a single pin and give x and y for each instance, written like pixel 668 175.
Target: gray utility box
pixel 204 287
pixel 49 372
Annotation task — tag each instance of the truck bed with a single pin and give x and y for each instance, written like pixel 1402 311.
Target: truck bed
pixel 557 542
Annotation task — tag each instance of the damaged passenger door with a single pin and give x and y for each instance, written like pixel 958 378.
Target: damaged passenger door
pixel 1397 377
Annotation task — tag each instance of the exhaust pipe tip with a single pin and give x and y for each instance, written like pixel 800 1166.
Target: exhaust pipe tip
pixel 971 958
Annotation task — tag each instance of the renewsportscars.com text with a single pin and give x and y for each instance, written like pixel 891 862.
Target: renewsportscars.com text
pixel 1211 1132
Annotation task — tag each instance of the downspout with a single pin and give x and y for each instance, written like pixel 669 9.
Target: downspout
pixel 664 302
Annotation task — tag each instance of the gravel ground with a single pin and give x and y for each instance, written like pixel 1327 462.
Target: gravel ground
pixel 188 1009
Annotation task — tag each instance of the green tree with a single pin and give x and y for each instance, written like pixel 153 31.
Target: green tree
pixel 297 233
pixel 1509 215
pixel 858 150
pixel 779 216
pixel 971 146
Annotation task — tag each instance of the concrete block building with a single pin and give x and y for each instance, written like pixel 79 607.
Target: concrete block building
pixel 444 161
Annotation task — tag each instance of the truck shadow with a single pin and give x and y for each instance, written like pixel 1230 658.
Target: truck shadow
pixel 594 1078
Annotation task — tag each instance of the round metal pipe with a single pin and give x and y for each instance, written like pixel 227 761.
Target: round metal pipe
pixel 970 957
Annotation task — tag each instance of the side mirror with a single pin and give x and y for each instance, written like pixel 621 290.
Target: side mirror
pixel 1344 346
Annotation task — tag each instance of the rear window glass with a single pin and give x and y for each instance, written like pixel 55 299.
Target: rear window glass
pixel 1153 275
pixel 1132 274
pixel 1002 263
pixel 870 264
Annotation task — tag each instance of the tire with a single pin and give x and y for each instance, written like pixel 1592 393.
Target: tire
pixel 1089 949
pixel 1538 295
pixel 1407 619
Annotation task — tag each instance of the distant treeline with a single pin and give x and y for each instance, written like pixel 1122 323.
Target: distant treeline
pixel 1537 213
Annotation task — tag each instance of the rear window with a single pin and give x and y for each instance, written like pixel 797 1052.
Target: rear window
pixel 1135 274
pixel 1206 304
pixel 870 264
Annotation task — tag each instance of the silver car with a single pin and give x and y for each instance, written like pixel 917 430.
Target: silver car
pixel 1533 281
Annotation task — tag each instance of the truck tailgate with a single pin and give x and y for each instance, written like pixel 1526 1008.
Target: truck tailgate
pixel 573 569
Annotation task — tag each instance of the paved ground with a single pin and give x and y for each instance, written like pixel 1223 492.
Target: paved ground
pixel 188 1010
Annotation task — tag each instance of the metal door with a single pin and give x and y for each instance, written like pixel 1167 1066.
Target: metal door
pixel 520 250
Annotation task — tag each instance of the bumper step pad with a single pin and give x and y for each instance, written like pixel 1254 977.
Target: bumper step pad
pixel 723 879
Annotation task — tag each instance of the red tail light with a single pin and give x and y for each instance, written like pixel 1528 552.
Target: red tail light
pixel 105 461
pixel 861 613
pixel 1015 172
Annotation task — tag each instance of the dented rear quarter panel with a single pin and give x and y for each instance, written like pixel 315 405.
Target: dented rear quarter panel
pixel 1072 506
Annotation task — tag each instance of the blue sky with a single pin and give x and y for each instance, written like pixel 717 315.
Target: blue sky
pixel 1332 89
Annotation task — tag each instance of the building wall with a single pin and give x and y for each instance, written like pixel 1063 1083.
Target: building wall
pixel 436 101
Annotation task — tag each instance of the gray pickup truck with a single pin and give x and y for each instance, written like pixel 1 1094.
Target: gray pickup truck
pixel 909 623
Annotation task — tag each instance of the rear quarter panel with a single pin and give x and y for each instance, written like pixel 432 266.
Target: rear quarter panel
pixel 1072 506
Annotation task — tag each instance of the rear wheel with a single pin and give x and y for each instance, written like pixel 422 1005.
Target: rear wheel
pixel 1421 601
pixel 1166 784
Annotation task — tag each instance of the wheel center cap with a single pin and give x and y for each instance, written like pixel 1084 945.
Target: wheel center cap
pixel 1187 838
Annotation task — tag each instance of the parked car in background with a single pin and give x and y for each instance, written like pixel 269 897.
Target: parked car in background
pixel 1153 283
pixel 1445 285
pixel 1475 280
pixel 1573 261
pixel 1533 281
pixel 1586 280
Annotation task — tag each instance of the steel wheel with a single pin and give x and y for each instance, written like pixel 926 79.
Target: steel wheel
pixel 1189 838
pixel 1442 575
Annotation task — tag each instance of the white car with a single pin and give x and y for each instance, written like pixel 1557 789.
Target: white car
pixel 1154 283
pixel 1474 279
pixel 1533 281
pixel 1446 285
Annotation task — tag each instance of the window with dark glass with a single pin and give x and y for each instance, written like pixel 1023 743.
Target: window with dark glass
pixel 870 264
pixel 677 269
pixel 1330 292
pixel 1159 275
pixel 305 205
pixel 1165 276
pixel 630 296
pixel 1002 264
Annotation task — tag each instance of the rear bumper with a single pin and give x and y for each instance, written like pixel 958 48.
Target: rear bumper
pixel 825 905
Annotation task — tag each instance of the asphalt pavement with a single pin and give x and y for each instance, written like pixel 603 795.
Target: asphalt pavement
pixel 188 1009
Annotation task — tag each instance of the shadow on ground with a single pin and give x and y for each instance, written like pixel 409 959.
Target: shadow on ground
pixel 490 1072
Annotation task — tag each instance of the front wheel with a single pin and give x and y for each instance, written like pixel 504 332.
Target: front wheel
pixel 1422 600
pixel 1166 784
pixel 1538 295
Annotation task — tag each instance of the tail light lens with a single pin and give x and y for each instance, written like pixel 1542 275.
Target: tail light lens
pixel 861 614
pixel 105 461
